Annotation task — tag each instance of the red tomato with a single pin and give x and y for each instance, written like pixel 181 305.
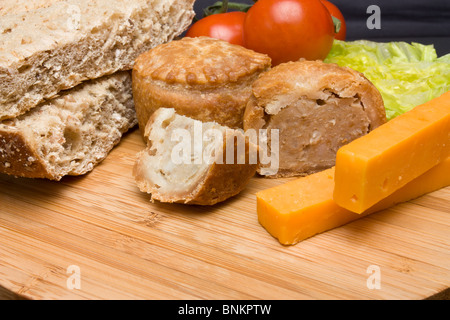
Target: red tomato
pixel 335 12
pixel 288 30
pixel 225 26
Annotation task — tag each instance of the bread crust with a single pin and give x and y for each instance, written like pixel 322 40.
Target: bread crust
pixel 203 78
pixel 355 107
pixel 18 157
pixel 49 46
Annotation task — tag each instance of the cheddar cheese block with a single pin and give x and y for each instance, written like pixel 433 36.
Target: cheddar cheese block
pixel 372 167
pixel 304 207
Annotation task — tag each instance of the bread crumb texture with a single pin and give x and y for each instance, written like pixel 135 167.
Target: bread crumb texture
pixel 70 134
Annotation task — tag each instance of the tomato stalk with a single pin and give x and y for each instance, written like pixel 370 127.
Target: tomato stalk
pixel 224 6
pixel 337 24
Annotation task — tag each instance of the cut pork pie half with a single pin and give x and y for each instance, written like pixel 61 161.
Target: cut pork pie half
pixel 315 108
pixel 192 162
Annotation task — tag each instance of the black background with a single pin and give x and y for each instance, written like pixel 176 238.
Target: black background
pixel 423 21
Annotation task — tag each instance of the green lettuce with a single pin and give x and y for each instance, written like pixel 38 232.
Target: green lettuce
pixel 406 75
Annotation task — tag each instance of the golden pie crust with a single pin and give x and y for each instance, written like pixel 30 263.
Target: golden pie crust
pixel 203 78
pixel 316 107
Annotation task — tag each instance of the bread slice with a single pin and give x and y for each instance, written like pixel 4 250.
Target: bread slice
pixel 208 176
pixel 70 134
pixel 51 45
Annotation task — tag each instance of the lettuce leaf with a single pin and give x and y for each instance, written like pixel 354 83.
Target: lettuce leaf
pixel 406 75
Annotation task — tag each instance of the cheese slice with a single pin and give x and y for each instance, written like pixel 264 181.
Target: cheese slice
pixel 301 208
pixel 372 167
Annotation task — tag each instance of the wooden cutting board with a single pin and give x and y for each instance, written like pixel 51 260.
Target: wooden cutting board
pixel 98 237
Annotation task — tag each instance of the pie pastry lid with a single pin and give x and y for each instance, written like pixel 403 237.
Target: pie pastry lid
pixel 200 61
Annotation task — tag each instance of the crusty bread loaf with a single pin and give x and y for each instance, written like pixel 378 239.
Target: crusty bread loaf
pixel 51 45
pixel 70 134
pixel 316 108
pixel 208 174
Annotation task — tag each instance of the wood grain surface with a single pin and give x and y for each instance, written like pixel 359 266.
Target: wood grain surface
pixel 126 247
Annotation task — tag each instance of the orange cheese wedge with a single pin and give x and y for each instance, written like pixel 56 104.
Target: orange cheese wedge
pixel 301 208
pixel 374 166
